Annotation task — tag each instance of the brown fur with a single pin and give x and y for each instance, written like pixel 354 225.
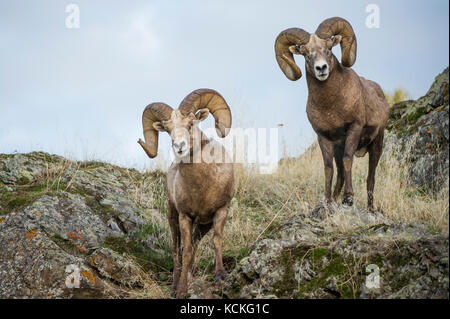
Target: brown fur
pixel 348 113
pixel 199 193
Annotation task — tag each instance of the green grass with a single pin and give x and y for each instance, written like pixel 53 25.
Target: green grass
pixel 147 258
pixel 336 267
pixel 69 246
pixel 16 200
pixel 23 180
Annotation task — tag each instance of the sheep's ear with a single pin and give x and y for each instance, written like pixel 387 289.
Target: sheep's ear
pixel 202 114
pixel 295 49
pixel 334 40
pixel 158 126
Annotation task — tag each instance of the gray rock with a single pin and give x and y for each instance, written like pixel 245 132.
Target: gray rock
pixel 113 266
pixel 419 132
pixel 20 169
pixel 34 266
pixel 60 225
pixel 69 217
pixel 412 262
pixel 113 225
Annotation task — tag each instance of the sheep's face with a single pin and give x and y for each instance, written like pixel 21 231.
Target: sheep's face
pixel 318 55
pixel 181 130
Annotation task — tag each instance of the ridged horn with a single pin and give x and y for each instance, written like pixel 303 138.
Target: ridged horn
pixel 212 100
pixel 285 59
pixel 153 113
pixel 338 26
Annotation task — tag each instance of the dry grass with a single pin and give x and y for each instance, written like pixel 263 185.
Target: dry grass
pixel 400 201
pixel 150 288
pixel 263 201
pixel 53 174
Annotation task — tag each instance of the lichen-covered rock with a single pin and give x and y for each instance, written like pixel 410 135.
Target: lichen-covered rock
pixel 71 229
pixel 342 252
pixel 35 266
pixel 126 211
pixel 420 130
pixel 21 169
pixel 69 218
pixel 114 266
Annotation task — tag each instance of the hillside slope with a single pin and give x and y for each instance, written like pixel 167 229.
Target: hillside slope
pixel 419 131
pixel 55 213
pixel 94 230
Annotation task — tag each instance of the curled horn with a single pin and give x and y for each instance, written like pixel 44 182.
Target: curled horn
pixel 153 113
pixel 285 59
pixel 338 26
pixel 214 102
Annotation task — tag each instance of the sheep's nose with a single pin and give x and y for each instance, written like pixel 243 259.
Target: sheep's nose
pixel 179 146
pixel 321 68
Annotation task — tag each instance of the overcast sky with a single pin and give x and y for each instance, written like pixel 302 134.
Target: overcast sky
pixel 81 92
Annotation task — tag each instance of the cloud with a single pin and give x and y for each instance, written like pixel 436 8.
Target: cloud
pixel 82 91
pixel 139 35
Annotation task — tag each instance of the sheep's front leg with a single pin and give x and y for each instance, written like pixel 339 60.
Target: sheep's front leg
pixel 186 235
pixel 219 222
pixel 326 147
pixel 338 158
pixel 351 144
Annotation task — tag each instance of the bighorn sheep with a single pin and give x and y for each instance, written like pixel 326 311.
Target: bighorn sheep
pixel 198 192
pixel 348 112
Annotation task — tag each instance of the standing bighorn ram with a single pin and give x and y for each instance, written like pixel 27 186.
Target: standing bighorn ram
pixel 199 192
pixel 348 112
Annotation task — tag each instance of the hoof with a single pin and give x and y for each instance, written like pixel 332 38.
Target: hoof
pixel 347 200
pixel 220 277
pixel 181 295
pixel 181 292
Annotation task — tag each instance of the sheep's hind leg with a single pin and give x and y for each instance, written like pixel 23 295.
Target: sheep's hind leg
pixel 219 223
pixel 172 215
pixel 186 235
pixel 375 151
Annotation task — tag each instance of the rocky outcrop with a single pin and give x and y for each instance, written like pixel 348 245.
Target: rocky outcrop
pixel 64 226
pixel 419 130
pixel 340 253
